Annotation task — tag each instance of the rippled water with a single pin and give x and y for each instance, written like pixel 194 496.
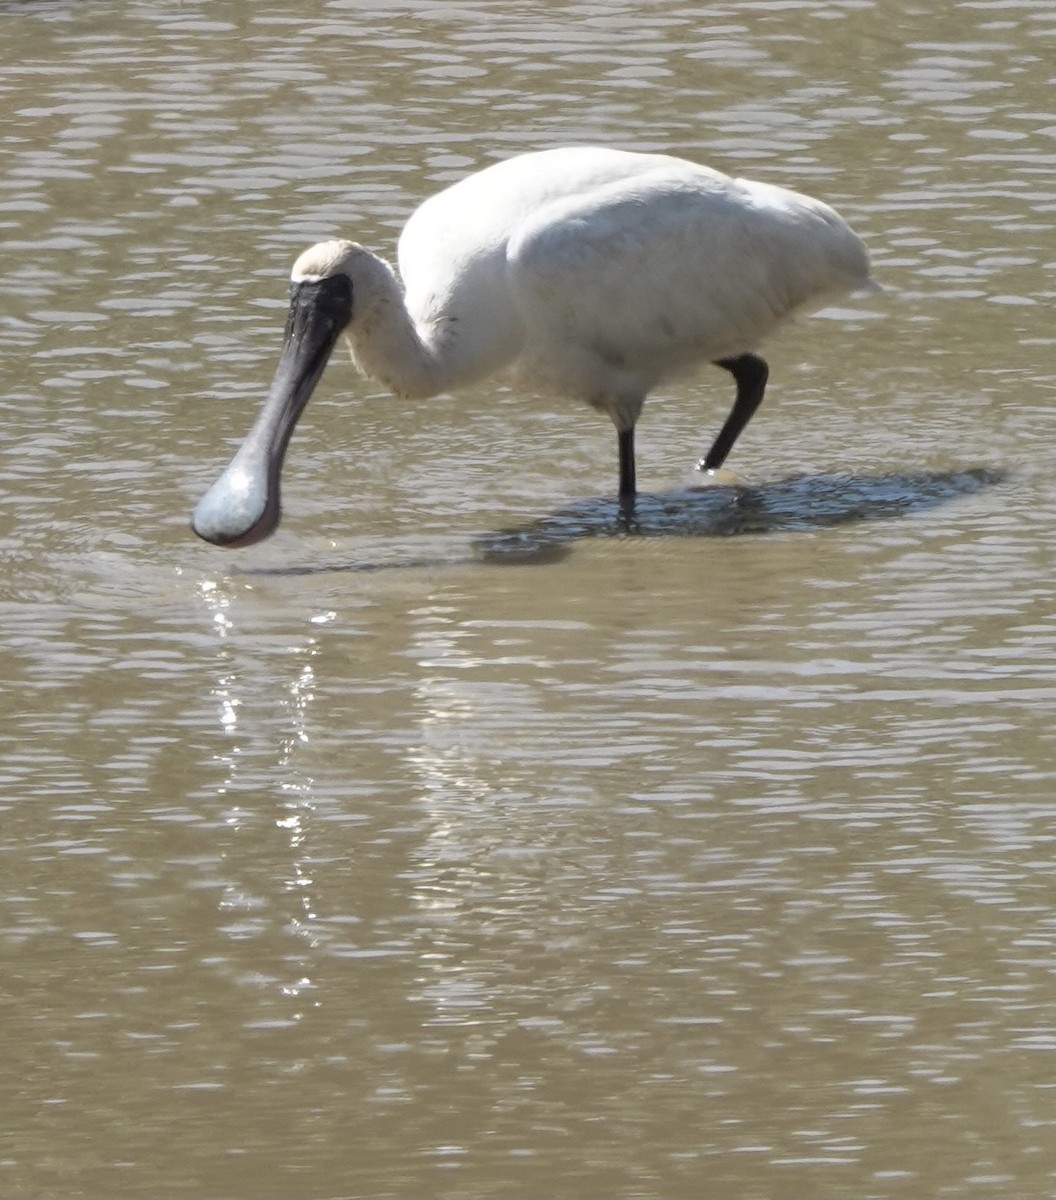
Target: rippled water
pixel 456 842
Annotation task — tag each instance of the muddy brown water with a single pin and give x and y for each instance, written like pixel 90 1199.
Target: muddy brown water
pixel 454 843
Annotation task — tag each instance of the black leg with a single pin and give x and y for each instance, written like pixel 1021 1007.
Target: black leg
pixel 628 485
pixel 749 372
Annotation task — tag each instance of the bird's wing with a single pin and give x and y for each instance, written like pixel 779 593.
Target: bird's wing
pixel 677 265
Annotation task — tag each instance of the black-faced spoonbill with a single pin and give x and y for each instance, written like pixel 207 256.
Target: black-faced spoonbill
pixel 581 272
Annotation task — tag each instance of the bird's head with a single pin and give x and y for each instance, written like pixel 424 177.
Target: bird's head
pixel 243 506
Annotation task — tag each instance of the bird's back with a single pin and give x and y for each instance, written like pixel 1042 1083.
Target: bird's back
pixel 648 262
pixel 452 252
pixel 679 265
pixel 473 220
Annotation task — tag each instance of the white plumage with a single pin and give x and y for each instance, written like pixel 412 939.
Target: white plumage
pixel 582 272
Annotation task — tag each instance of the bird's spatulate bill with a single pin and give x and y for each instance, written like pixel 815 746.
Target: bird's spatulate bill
pixel 244 505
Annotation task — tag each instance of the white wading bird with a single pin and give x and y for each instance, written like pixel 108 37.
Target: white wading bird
pixel 582 272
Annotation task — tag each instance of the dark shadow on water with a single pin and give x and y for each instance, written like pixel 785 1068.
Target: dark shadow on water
pixel 801 503
pixel 798 504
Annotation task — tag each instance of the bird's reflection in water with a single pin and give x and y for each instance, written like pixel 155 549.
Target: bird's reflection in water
pixel 800 503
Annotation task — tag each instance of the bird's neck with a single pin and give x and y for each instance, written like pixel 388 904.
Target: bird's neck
pixel 386 343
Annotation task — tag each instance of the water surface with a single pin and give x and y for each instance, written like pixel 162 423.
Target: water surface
pixel 456 842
